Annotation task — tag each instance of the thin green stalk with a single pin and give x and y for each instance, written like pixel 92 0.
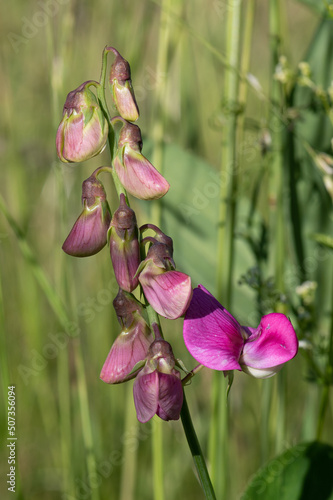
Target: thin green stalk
pixel 225 247
pixel 276 225
pixel 325 396
pixel 85 417
pixel 275 201
pixel 281 411
pixel 128 471
pixel 3 350
pixel 266 399
pixel 63 379
pixel 197 455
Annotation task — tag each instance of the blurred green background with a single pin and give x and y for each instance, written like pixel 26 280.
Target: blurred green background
pixel 69 423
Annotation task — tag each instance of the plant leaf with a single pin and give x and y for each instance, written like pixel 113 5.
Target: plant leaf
pixel 303 472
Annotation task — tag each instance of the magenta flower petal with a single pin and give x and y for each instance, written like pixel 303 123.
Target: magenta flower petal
pixel 273 343
pixel 146 393
pixel 128 349
pixel 170 399
pixel 211 333
pixel 169 293
pixel 139 176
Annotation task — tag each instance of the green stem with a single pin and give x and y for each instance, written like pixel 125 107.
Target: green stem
pixel 197 455
pixel 128 471
pixel 225 248
pixel 325 396
pixel 277 224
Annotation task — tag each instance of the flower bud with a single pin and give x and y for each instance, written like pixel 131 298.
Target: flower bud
pixel 168 291
pixel 122 89
pixel 89 233
pixel 139 177
pixel 124 246
pixel 83 130
pixel 157 388
pixel 131 346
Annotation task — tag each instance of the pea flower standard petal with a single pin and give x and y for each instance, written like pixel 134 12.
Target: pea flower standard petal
pixel 216 339
pixel 158 388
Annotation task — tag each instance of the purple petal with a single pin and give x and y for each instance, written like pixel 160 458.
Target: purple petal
pixel 274 342
pixel 139 176
pixel 89 233
pixel 211 333
pixel 146 392
pixel 127 350
pixel 170 400
pixel 169 293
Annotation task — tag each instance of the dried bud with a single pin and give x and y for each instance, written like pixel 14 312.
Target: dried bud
pixel 124 246
pixel 139 177
pixel 122 89
pixel 83 130
pixel 89 233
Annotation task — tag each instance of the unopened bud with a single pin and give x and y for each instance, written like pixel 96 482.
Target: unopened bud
pixel 83 130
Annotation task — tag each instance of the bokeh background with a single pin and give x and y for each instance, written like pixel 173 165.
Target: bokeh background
pixel 78 437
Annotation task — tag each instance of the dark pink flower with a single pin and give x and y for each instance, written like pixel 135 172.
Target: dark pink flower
pixel 89 233
pixel 216 339
pixel 128 349
pixel 139 177
pixel 83 130
pixel 131 346
pixel 157 388
pixel 124 246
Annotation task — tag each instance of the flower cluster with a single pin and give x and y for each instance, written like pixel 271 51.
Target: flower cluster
pixel 138 262
pixel 144 264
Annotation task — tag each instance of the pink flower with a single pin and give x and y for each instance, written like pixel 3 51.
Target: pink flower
pixel 216 339
pixel 128 349
pixel 131 346
pixel 121 88
pixel 168 291
pixel 89 233
pixel 83 130
pixel 157 388
pixel 139 177
pixel 124 246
